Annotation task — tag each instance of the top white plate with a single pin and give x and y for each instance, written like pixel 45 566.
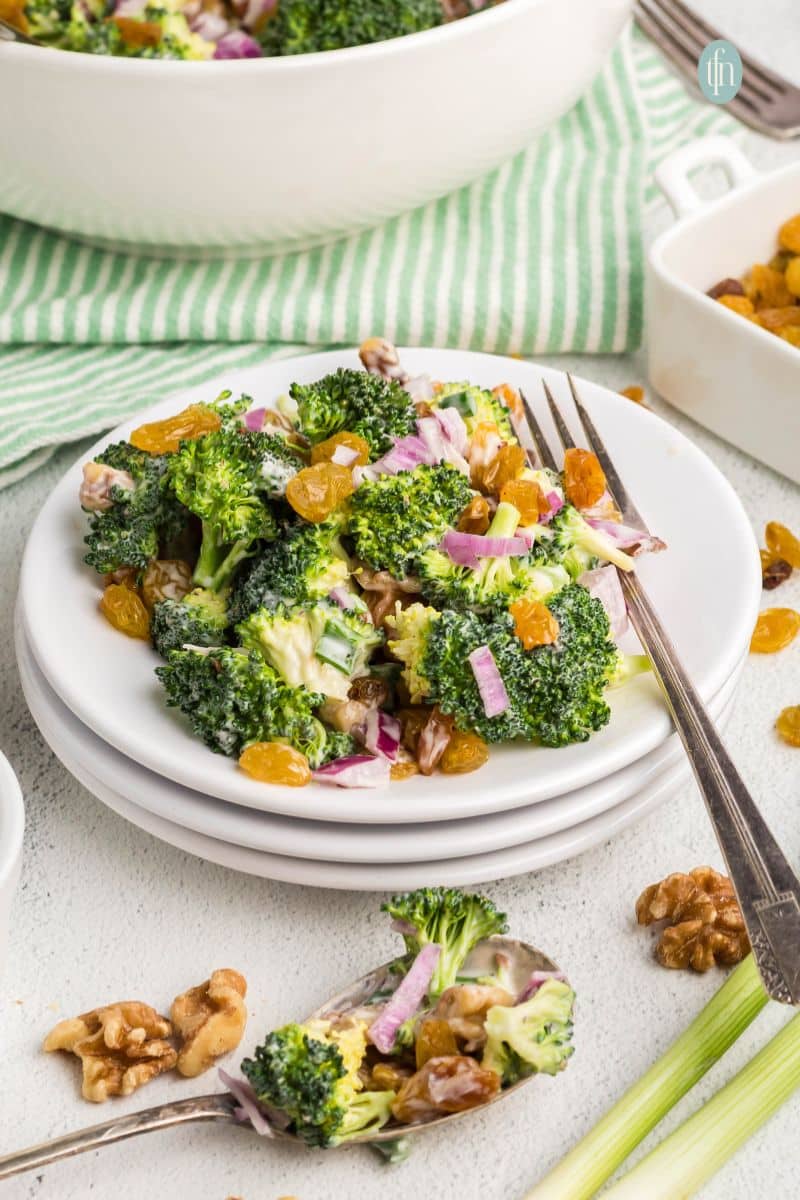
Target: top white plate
pixel 706 587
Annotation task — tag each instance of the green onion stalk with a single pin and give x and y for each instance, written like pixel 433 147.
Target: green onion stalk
pixel 598 1155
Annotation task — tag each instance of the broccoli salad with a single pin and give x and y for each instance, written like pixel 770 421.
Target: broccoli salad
pixel 368 582
pixel 431 1035
pixel 225 29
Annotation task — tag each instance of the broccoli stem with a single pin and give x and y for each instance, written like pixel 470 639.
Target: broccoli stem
pixel 217 561
pixel 505 521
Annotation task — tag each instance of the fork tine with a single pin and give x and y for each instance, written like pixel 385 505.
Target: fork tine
pixel 561 427
pixel 630 513
pixel 541 445
pixel 654 24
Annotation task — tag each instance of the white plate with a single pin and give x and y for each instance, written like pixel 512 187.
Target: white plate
pixel 707 588
pixel 330 841
pixel 353 876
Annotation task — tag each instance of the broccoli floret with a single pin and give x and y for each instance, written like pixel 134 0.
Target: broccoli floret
pixel 569 539
pixel 449 918
pixel 308 26
pixel 310 1073
pixel 303 564
pixel 496 582
pixel 396 518
pixel 129 532
pixel 233 697
pixel 199 619
pixel 533 1037
pixel 377 409
pixel 555 692
pixel 320 646
pixel 227 478
pixel 476 405
pixel 47 19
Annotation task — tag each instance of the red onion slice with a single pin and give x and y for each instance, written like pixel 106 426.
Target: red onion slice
pixel 535 982
pixel 638 541
pixel 355 771
pixel 604 585
pixel 382 734
pixel 237 44
pixel 249 1106
pixel 465 549
pixel 254 419
pixel 490 682
pixel 406 999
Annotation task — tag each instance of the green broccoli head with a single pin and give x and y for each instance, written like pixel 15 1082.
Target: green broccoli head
pixel 303 564
pixel 534 1037
pixel 47 19
pixel 570 540
pixel 556 692
pixel 227 478
pixel 496 582
pixel 232 697
pixel 476 405
pixel 447 917
pixel 319 646
pixel 199 619
pixel 310 1073
pixel 308 26
pixel 396 518
pixel 138 518
pixel 377 409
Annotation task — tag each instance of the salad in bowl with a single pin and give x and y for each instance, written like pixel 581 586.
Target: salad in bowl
pixel 370 581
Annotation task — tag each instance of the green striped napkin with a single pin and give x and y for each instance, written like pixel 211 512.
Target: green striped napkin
pixel 541 256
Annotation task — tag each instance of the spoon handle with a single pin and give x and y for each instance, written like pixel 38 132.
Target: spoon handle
pixel 217 1106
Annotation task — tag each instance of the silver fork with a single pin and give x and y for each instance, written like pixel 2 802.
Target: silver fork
pixel 765 101
pixel 766 886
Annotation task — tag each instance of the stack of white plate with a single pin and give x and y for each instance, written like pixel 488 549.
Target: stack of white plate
pixel 98 704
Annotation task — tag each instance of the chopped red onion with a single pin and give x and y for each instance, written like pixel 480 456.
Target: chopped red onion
pixel 212 27
pixel 405 454
pixel 249 1105
pixel 535 982
pixel 129 8
pixel 556 505
pixel 638 541
pixel 604 585
pixel 440 448
pixel 254 420
pixel 344 456
pixel 465 549
pixel 355 771
pixel 237 44
pixel 343 598
pixel 453 426
pixel 420 387
pixel 382 734
pixel 406 999
pixel 490 682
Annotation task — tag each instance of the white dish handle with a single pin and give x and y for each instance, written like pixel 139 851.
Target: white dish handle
pixel 672 175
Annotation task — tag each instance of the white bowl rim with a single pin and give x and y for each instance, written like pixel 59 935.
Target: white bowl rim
pixel 321 59
pixel 12 821
pixel 761 181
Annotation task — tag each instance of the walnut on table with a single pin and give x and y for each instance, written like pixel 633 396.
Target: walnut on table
pixel 210 1019
pixel 121 1047
pixel 706 924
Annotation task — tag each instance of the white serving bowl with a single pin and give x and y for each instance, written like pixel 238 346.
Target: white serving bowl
pixel 258 154
pixel 12 825
pixel 725 372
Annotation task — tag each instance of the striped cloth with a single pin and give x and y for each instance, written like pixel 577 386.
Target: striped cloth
pixel 543 255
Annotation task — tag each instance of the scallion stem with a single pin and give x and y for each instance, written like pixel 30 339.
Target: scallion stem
pixel 598 1155
pixel 697 1149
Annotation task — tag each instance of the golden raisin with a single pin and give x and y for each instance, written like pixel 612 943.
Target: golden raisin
pixel 791 281
pixel 434 1038
pixel 164 437
pixel 584 480
pixel 534 624
pixel 274 762
pixel 465 752
pixel 791 333
pixel 789 235
pixel 742 305
pixel 324 451
pixel 634 393
pixel 403 770
pixel 527 497
pixel 123 608
pixel 510 397
pixel 788 725
pixel 775 629
pixel 452 1083
pixel 767 288
pixel 316 491
pixel 777 319
pixel 138 34
pixel 475 517
pixel 389 1077
pixel 783 543
pixel 507 464
pixel 413 721
pixel 774 571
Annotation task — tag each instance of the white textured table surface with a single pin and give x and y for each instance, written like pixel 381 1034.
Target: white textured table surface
pixel 104 911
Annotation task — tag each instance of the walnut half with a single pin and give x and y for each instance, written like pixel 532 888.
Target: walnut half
pixel 121 1046
pixel 210 1019
pixel 706 924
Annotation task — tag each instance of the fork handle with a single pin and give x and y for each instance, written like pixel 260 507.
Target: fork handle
pixel 217 1106
pixel 766 886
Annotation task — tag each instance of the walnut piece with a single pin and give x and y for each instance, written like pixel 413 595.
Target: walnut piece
pixel 98 482
pixel 380 357
pixel 706 924
pixel 464 1007
pixel 165 579
pixel 210 1019
pixel 121 1047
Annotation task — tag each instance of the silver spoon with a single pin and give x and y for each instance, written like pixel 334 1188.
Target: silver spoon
pixel 219 1106
pixel 10 33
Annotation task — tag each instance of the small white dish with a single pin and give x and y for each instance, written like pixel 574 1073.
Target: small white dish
pixel 707 587
pixel 720 369
pixel 481 867
pixel 335 841
pixel 12 828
